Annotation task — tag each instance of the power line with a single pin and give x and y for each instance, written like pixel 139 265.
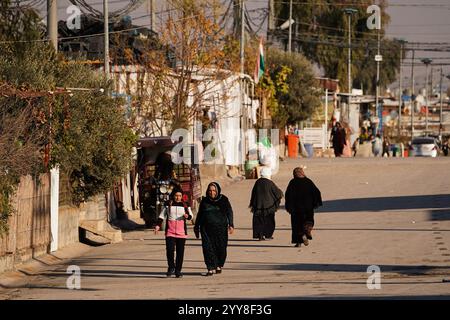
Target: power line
pixel 368 33
pixel 364 4
pixel 100 33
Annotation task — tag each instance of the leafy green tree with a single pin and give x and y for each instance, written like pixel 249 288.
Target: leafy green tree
pixel 291 83
pixel 86 130
pixel 322 27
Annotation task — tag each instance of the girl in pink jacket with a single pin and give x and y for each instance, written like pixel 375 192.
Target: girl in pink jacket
pixel 175 213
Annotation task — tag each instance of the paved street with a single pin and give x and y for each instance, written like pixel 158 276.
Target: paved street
pixel 393 213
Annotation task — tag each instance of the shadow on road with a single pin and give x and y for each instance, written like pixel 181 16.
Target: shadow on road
pixel 438 201
pixel 259 245
pixel 356 297
pixel 439 215
pixel 408 270
pixel 379 229
pixel 120 274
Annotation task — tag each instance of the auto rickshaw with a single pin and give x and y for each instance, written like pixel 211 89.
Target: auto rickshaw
pixel 158 175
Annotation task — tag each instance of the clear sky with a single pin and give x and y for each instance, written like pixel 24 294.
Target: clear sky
pixel 422 21
pixel 412 20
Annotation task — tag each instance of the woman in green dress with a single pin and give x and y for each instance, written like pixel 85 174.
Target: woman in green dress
pixel 214 221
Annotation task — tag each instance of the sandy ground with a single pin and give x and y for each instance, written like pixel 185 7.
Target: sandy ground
pixel 393 213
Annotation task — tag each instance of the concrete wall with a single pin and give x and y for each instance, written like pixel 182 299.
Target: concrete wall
pixel 94 209
pixel 29 225
pixel 68 226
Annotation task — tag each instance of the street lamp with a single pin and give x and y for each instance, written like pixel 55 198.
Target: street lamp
pixel 440 104
pixel 427 62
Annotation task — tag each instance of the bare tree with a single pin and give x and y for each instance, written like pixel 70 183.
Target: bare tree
pixel 183 70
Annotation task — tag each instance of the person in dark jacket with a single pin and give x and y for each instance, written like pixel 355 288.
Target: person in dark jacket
pixel 214 221
pixel 265 201
pixel 302 197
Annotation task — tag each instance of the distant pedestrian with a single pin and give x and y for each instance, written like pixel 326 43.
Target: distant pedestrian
pixel 214 221
pixel 355 147
pixel 338 139
pixel 265 201
pixel 347 149
pixel 377 145
pixel 386 146
pixel 302 198
pixel 175 214
pixel 445 148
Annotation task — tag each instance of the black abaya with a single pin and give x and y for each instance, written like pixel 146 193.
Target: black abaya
pixel 213 219
pixel 265 200
pixel 302 197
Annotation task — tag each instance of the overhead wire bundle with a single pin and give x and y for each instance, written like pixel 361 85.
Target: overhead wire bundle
pixel 113 15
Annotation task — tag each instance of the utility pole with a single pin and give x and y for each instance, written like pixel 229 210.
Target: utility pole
pixel 427 62
pixel 349 62
pixel 242 35
pixel 271 20
pixel 377 94
pixel 326 119
pixel 349 12
pixel 152 14
pixel 290 27
pixel 426 98
pixel 106 31
pixel 52 35
pixel 440 104
pixel 402 42
pixel 52 23
pixel 412 95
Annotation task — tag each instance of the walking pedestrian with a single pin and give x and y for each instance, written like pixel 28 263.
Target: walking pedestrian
pixel 376 145
pixel 175 214
pixel 347 148
pixel 355 147
pixel 265 201
pixel 338 139
pixel 445 148
pixel 214 221
pixel 386 145
pixel 302 197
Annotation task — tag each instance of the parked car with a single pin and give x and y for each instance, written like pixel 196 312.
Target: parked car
pixel 424 147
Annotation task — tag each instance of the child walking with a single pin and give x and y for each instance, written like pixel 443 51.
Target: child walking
pixel 175 213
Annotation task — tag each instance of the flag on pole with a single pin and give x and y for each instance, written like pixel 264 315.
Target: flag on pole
pixel 259 68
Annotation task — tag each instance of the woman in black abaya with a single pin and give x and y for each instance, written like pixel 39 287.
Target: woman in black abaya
pixel 302 197
pixel 265 201
pixel 214 221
